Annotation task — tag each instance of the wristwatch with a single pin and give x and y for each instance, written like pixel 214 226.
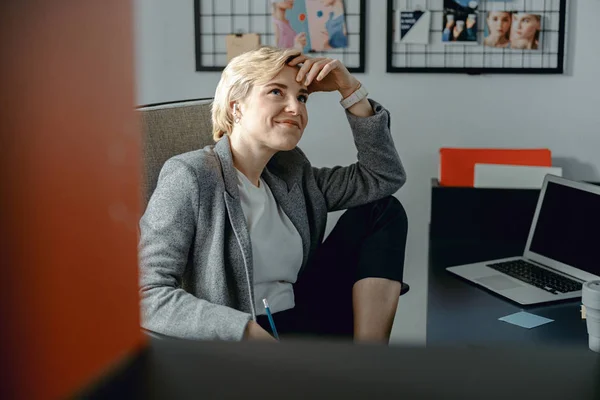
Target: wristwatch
pixel 355 97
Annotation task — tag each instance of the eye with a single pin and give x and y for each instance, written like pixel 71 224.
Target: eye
pixel 303 98
pixel 276 92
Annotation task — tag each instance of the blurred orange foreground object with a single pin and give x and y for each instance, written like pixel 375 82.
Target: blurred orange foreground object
pixel 70 200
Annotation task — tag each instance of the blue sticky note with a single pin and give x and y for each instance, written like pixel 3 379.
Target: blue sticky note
pixel 525 320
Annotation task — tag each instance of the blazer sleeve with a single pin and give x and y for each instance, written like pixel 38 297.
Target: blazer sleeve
pixel 167 230
pixel 377 173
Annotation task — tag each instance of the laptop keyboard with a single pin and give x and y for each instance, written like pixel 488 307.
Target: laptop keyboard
pixel 536 276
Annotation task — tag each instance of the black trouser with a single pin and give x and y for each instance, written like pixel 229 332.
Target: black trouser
pixel 367 241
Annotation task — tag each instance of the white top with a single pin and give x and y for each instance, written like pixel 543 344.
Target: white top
pixel 276 246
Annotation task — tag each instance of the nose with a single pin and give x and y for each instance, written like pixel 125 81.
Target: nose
pixel 293 106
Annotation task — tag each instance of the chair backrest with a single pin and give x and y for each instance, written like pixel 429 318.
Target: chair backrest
pixel 170 129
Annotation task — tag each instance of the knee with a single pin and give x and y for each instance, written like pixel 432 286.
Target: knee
pixel 394 208
pixel 386 212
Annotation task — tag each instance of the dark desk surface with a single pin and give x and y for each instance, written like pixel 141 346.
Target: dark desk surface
pixel 461 313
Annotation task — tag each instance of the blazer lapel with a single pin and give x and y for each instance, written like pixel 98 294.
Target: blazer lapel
pixel 235 212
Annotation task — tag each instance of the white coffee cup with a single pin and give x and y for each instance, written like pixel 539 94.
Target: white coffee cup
pixel 460 24
pixel 472 17
pixel 590 297
pixel 450 17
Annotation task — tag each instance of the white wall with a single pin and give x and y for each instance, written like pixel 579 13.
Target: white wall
pixel 428 112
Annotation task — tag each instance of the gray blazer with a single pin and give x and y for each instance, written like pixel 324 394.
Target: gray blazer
pixel 195 253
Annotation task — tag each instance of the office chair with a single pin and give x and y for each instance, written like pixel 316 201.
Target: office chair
pixel 170 129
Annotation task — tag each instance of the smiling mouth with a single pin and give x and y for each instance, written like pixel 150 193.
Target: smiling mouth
pixel 290 123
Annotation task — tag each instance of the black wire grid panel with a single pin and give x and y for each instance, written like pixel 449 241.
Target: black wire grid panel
pixel 438 57
pixel 215 19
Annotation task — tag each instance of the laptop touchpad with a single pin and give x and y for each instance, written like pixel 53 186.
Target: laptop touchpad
pixel 498 282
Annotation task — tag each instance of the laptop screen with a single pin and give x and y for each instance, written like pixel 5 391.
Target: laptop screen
pixel 568 228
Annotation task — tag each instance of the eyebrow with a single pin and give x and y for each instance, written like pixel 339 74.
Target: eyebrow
pixel 282 86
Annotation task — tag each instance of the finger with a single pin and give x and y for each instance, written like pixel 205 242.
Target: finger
pixel 306 66
pixel 297 60
pixel 315 69
pixel 330 66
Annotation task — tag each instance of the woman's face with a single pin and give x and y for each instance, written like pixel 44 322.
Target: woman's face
pixel 524 27
pixel 498 23
pixel 274 115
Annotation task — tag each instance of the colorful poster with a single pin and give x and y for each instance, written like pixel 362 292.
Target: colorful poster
pixel 512 30
pixel 413 27
pixel 309 25
pixel 460 21
pixel 289 24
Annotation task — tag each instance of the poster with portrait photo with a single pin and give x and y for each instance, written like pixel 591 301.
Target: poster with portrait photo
pixel 496 31
pixel 459 24
pixel 309 25
pixel 512 30
pixel 525 31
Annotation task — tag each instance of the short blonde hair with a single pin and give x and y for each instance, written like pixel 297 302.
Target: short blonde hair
pixel 255 67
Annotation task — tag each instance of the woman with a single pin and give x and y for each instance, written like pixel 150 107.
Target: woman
pixel 285 36
pixel 498 24
pixel 525 31
pixel 244 220
pixel 336 25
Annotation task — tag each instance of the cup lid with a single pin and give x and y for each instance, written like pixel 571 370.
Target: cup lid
pixel 590 294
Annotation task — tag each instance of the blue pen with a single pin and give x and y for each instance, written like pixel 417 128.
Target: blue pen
pixel 270 319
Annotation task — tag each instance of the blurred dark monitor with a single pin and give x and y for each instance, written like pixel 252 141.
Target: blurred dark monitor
pixel 306 370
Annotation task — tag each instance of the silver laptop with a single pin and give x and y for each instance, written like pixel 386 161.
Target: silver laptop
pixel 562 251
